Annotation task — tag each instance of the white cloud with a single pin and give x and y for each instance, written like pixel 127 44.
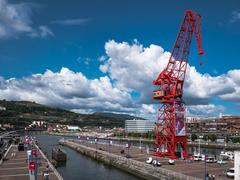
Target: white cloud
pixel 235 16
pixel 102 58
pixel 148 108
pixel 67 89
pixel 45 31
pixel 134 67
pixel 103 68
pixel 15 20
pixel 206 110
pixel 41 31
pixel 72 22
pixel 130 70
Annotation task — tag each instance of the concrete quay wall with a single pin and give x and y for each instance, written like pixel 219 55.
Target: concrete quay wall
pixel 139 169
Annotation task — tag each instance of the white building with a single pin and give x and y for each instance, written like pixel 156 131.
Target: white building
pixel 2 108
pixel 39 123
pixel 139 126
pixel 73 128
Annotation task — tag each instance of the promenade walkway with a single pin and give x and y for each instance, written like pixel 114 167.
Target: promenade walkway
pixel 15 166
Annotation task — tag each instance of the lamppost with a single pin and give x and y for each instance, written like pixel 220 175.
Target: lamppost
pixel 79 137
pixel 140 143
pixel 128 147
pixel 205 164
pixel 96 140
pixel 109 148
pixel 87 141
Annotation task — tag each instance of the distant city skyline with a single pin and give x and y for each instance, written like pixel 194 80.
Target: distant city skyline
pixel 89 56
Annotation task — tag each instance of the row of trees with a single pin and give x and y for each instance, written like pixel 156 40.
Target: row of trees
pixel 235 139
pixel 148 135
pixel 211 137
pixel 193 137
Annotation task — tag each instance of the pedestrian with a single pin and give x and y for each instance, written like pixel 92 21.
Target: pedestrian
pixel 207 176
pixel 46 173
pixel 213 177
pixel 14 153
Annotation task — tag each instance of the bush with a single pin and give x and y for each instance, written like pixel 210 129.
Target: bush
pixel 194 137
pixel 205 137
pixel 213 137
pixel 235 139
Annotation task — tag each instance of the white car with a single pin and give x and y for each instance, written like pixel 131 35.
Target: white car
pixel 197 157
pixel 211 160
pixel 230 173
pixel 149 160
pixel 221 161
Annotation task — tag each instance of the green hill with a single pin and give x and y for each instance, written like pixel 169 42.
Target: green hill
pixel 22 113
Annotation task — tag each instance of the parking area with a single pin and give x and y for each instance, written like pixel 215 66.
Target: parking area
pixel 187 167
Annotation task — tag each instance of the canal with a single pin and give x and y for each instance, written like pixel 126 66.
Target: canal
pixel 78 166
pixel 82 167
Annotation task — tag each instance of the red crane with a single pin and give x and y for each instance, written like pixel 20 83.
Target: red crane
pixel 170 126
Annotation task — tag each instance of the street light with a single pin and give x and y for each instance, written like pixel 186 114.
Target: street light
pixel 96 140
pixel 128 145
pixel 205 164
pixel 87 141
pixel 109 148
pixel 141 143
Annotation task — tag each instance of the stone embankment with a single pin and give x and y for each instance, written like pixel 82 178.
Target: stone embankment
pixel 137 168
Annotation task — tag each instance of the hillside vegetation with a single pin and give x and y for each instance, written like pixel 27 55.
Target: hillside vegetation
pixel 22 113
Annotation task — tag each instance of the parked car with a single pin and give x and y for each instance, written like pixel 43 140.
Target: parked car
pixel 221 161
pixel 197 157
pixel 230 173
pixel 211 160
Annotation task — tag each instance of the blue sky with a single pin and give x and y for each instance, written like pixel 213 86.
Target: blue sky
pixel 40 35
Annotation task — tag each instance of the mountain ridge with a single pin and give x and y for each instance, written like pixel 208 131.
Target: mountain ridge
pixel 22 113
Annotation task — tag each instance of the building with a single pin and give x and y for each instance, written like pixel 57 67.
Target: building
pixel 37 126
pixel 39 123
pixel 2 108
pixel 73 128
pixel 139 126
pixel 222 126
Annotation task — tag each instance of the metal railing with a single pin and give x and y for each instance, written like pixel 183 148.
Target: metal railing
pixel 49 163
pixel 5 154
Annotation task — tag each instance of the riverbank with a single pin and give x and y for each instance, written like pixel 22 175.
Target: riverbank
pixel 209 145
pixel 137 168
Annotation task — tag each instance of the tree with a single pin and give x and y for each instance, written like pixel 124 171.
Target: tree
pixel 205 137
pixel 194 137
pixel 212 137
pixel 227 139
pixel 235 139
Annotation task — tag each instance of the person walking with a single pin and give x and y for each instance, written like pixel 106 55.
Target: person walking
pixel 46 173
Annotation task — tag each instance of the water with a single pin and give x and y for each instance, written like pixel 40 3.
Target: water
pixel 82 167
pixel 78 166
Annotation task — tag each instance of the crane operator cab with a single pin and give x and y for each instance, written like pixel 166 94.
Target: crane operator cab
pixel 167 92
pixel 162 92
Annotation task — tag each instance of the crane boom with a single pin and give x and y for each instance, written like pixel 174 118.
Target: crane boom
pixel 170 125
pixel 171 79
